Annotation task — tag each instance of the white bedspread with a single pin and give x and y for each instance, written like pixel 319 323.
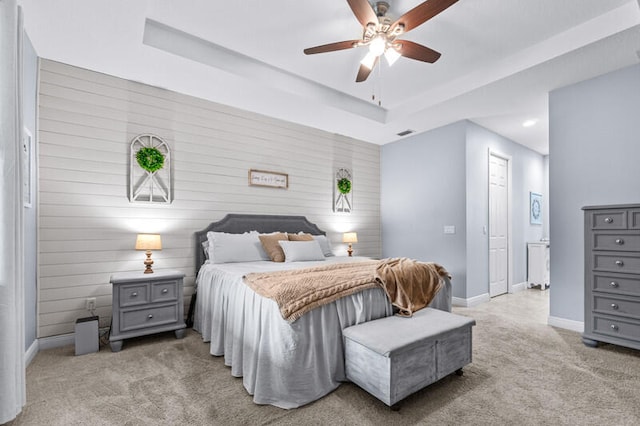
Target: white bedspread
pixel 281 363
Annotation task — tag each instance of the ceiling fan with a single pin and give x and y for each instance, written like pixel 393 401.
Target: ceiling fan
pixel 381 34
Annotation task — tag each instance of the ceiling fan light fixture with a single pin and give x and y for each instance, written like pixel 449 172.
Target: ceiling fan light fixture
pixel 377 45
pixel 391 55
pixel 369 60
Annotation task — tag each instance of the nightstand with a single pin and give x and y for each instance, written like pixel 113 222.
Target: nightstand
pixel 145 304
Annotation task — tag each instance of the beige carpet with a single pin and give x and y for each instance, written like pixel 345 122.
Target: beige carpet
pixel 523 373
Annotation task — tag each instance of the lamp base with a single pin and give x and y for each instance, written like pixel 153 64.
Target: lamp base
pixel 350 250
pixel 148 262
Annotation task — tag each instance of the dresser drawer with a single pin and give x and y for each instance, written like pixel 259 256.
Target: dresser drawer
pixel 623 328
pixel 616 284
pixel 163 291
pixel 616 306
pixel 616 262
pixel 612 219
pixel 617 242
pixel 134 294
pixel 135 319
pixel 634 219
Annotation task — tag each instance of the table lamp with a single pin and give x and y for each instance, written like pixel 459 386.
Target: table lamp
pixel 350 237
pixel 148 242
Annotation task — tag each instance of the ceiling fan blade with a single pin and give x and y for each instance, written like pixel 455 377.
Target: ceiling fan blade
pixel 422 13
pixel 331 47
pixel 364 71
pixel 363 11
pixel 416 51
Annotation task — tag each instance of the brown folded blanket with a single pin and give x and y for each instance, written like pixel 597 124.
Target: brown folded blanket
pixel 409 284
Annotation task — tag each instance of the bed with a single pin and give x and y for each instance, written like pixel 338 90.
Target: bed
pixel 285 364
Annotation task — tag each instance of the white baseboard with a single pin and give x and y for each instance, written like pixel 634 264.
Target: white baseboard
pixel 515 288
pixel 472 301
pixel 31 352
pixel 57 341
pixel 566 324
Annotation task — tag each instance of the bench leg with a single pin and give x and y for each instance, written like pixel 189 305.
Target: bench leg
pixel 459 372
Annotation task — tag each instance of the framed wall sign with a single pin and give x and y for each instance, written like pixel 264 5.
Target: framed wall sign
pixel 269 179
pixel 535 208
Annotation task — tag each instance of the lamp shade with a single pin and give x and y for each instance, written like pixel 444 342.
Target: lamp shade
pixel 349 237
pixel 148 242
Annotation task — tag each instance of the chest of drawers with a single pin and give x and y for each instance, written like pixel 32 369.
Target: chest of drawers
pixel 612 275
pixel 145 304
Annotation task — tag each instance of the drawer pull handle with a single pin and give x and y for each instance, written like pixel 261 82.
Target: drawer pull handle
pixel 134 294
pixel 614 327
pixel 619 263
pixel 613 284
pixel 614 306
pixel 608 219
pixel 165 291
pixel 619 241
pixel 150 316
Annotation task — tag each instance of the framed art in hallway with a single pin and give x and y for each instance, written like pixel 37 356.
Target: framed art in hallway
pixel 535 208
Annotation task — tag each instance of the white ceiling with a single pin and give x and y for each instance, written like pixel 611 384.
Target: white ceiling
pixel 499 58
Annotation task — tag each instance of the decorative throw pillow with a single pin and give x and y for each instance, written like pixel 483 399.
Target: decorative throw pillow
pixel 205 249
pixel 227 248
pixel 325 244
pixel 300 237
pixel 271 246
pixel 300 251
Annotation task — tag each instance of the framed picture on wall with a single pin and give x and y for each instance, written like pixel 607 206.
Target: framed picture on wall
pixel 535 208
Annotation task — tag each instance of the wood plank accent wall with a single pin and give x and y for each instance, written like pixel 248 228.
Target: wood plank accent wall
pixel 87 226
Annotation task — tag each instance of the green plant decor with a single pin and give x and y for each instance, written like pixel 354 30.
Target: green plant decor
pixel 344 186
pixel 150 159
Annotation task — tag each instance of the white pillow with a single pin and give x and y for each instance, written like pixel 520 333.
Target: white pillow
pixel 228 248
pixel 300 251
pixel 325 245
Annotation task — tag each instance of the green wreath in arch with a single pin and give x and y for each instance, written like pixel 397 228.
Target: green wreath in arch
pixel 150 159
pixel 344 186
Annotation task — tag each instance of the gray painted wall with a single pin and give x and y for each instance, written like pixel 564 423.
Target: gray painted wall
pixel 594 130
pixel 422 188
pixel 29 104
pixel 441 178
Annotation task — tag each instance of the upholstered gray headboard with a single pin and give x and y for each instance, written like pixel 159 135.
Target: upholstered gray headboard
pixel 263 223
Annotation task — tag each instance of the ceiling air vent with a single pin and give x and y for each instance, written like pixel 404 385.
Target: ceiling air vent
pixel 406 132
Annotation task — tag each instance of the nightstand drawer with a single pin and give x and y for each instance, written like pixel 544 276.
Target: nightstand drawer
pixel 616 306
pixel 148 317
pixel 618 242
pixel 164 291
pixel 134 294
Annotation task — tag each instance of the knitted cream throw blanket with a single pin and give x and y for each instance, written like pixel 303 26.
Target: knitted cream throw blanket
pixel 409 284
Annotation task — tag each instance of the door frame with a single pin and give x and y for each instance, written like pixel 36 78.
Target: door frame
pixel 509 161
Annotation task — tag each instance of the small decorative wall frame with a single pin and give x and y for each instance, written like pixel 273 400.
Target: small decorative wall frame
pixel 343 191
pixel 270 179
pixel 535 208
pixel 150 171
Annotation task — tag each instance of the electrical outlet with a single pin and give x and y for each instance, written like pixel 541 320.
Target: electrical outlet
pixel 90 304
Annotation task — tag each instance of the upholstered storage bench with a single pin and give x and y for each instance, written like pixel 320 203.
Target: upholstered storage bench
pixel 393 357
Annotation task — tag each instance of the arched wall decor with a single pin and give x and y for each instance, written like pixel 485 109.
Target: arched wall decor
pixel 150 170
pixel 343 191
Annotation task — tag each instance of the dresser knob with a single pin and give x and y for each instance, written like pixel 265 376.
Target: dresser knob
pixel 150 316
pixel 614 306
pixel 134 294
pixel 619 241
pixel 608 219
pixel 164 291
pixel 614 327
pixel 619 262
pixel 613 284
